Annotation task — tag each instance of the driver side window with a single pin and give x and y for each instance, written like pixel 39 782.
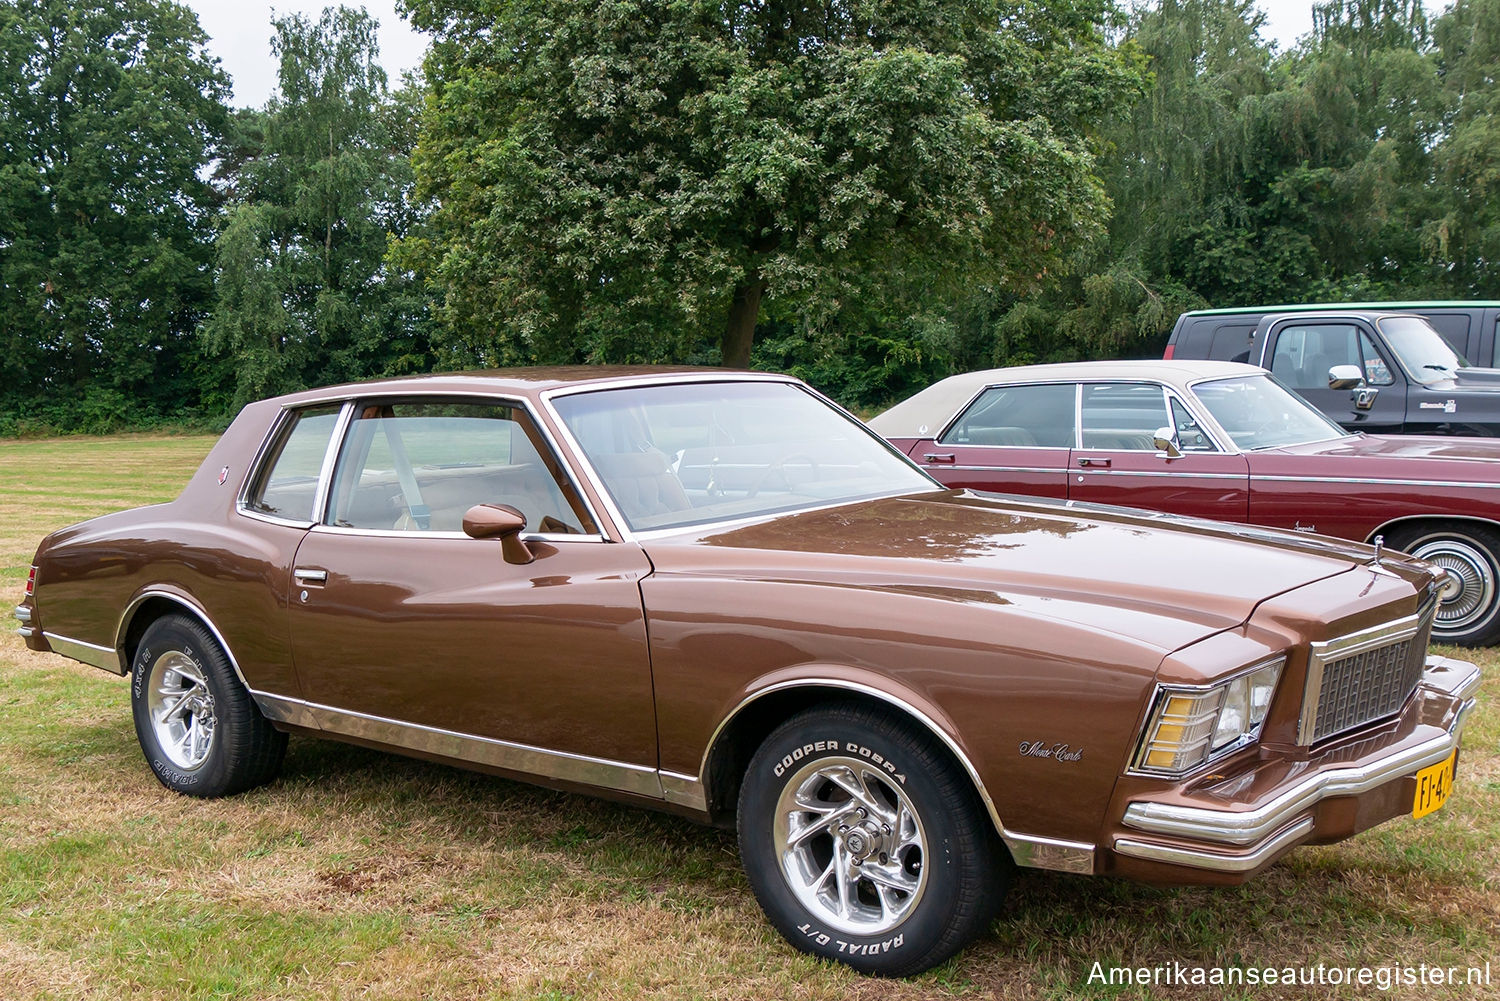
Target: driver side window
pixel 418 466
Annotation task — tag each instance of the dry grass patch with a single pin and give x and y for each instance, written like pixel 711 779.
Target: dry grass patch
pixel 362 875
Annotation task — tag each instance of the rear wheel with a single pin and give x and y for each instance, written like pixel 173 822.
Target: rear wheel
pixel 197 725
pixel 1471 553
pixel 865 844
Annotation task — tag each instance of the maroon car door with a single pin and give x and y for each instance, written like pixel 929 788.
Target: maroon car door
pixel 1009 439
pixel 1118 463
pixel 407 631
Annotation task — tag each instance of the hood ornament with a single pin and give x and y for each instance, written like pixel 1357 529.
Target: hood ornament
pixel 1379 550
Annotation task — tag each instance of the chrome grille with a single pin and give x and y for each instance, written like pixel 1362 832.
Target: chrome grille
pixel 1359 678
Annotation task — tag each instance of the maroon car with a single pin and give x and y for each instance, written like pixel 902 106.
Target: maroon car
pixel 718 594
pixel 1224 441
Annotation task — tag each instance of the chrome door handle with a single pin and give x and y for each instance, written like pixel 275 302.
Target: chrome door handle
pixel 945 458
pixel 1087 461
pixel 307 575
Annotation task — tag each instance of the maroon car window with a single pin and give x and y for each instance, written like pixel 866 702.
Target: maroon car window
pixel 1256 411
pixel 1123 416
pixel 1025 416
pixel 1190 437
pixel 287 484
pixel 417 466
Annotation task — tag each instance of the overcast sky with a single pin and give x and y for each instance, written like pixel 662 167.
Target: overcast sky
pixel 240 35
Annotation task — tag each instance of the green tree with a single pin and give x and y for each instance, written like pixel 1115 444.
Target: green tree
pixel 111 112
pixel 318 183
pixel 1464 238
pixel 640 180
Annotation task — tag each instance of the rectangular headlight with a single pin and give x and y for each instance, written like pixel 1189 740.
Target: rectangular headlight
pixel 1191 725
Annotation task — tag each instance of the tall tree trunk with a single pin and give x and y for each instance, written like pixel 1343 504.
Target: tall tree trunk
pixel 739 332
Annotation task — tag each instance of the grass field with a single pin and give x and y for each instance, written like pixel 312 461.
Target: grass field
pixel 362 875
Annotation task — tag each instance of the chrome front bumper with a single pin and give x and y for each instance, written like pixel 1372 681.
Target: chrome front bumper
pixel 1250 838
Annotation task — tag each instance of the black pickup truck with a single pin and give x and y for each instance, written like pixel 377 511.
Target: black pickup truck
pixel 1380 371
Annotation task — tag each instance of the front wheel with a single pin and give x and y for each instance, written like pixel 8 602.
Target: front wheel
pixel 1471 552
pixel 864 844
pixel 197 725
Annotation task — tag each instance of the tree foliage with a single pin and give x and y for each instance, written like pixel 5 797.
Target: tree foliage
pixel 111 112
pixel 636 180
pixel 317 184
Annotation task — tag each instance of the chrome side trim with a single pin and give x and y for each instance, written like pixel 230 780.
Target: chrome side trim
pixel 684 790
pixel 102 657
pixel 1382 481
pixel 640 780
pixel 1248 827
pixel 1172 473
pixel 1050 853
pixel 194 609
pixel 1027 845
pixel 1212 860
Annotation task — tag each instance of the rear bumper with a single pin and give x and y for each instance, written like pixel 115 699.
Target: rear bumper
pixel 29 630
pixel 1222 833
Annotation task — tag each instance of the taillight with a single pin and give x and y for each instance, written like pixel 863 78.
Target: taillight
pixel 31 582
pixel 1171 350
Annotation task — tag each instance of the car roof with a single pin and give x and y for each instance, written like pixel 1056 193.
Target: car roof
pixel 522 382
pixel 930 410
pixel 1348 307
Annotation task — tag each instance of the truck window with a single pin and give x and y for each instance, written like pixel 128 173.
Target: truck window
pixel 1305 353
pixel 1427 357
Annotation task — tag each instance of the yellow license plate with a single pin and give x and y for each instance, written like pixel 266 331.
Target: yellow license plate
pixel 1434 784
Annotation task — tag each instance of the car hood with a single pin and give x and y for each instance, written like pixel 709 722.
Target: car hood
pixel 1164 581
pixel 1481 456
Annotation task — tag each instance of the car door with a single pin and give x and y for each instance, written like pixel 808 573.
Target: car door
pixel 1009 439
pixel 1117 461
pixel 407 631
pixel 1302 352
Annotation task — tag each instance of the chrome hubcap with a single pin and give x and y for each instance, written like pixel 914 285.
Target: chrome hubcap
pixel 852 847
pixel 1475 599
pixel 181 709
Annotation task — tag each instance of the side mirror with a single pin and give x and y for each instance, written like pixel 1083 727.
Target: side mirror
pixel 503 522
pixel 1167 443
pixel 1345 377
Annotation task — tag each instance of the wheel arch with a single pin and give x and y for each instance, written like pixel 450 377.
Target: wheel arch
pixel 1407 521
pixel 153 604
pixel 743 730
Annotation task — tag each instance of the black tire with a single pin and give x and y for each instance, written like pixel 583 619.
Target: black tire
pixel 182 685
pixel 1471 551
pixel 910 903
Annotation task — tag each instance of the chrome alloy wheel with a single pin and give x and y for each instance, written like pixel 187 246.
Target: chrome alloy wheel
pixel 1467 562
pixel 851 845
pixel 181 708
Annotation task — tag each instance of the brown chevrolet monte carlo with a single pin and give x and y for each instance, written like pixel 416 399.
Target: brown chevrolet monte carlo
pixel 720 595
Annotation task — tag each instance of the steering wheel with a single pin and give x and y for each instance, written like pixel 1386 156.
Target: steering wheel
pixel 778 466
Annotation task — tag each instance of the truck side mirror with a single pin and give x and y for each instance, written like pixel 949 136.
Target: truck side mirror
pixel 1345 377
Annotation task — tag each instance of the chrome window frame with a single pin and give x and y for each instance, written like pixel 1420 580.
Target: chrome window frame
pixel 348 402
pixel 1210 428
pixel 283 424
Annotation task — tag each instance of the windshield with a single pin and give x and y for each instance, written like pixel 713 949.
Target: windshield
pixel 689 453
pixel 1422 350
pixel 1257 411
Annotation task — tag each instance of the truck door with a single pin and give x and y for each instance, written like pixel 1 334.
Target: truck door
pixel 1302 351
